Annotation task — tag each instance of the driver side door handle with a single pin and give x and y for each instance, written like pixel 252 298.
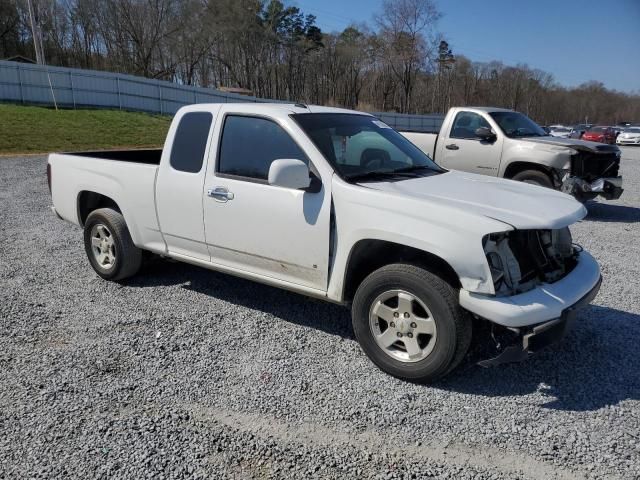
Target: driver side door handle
pixel 220 194
pixel 452 146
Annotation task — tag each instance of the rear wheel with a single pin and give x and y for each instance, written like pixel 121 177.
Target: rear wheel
pixel 534 177
pixel 108 245
pixel 409 323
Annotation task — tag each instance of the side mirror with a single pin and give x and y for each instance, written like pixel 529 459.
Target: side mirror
pixel 485 133
pixel 289 173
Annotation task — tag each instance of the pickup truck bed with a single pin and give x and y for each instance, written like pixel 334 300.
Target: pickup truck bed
pixel 126 175
pixel 147 156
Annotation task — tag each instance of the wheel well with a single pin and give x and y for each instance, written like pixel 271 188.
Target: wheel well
pixel 368 255
pixel 516 167
pixel 90 201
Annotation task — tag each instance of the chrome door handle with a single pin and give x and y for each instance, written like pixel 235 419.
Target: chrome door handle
pixel 220 194
pixel 452 146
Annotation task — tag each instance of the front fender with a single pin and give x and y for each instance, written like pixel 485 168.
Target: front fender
pixel 549 156
pixel 450 234
pixel 468 262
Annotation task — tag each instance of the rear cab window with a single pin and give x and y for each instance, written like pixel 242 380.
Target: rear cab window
pixel 190 142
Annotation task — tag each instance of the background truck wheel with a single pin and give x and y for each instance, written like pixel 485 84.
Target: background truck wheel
pixel 584 197
pixel 409 323
pixel 109 246
pixel 534 177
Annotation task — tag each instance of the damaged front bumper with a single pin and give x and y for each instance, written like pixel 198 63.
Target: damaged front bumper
pixel 609 188
pixel 538 317
pixel 544 303
pixel 533 339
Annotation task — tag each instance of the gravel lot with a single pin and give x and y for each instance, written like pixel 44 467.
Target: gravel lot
pixel 182 372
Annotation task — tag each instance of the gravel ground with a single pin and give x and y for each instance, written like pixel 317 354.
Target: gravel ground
pixel 183 372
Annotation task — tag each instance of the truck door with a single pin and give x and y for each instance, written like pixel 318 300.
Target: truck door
pixel 462 150
pixel 180 181
pixel 259 228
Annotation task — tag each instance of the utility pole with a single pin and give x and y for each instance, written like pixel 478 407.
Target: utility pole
pixel 36 34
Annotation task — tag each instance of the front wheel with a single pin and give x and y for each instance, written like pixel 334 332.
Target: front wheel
pixel 408 322
pixel 534 177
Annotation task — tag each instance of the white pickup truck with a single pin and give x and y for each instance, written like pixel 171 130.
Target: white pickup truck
pixel 336 205
pixel 508 144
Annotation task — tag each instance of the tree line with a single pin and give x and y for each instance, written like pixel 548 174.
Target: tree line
pixel 400 62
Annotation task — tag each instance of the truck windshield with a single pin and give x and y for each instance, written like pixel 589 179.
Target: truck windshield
pixel 516 125
pixel 361 147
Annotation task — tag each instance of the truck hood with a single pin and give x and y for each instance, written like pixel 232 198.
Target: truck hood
pixel 582 145
pixel 520 205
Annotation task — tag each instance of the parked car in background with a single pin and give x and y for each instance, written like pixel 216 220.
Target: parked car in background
pixel 629 136
pixel 600 134
pixel 560 131
pixel 578 130
pixel 619 128
pixel 335 204
pixel 503 143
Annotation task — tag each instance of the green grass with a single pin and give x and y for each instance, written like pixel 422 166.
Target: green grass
pixel 42 130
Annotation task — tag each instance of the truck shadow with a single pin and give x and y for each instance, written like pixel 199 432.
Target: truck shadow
pixel 606 212
pixel 288 306
pixel 595 366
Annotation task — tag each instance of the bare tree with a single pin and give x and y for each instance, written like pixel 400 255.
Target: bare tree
pixel 275 50
pixel 405 27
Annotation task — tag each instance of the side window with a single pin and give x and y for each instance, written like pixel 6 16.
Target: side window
pixel 190 142
pixel 250 144
pixel 466 123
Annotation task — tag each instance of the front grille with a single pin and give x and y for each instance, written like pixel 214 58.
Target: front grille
pixel 591 166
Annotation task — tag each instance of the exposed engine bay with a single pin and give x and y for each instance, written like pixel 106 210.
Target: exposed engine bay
pixel 520 260
pixel 594 173
pixel 591 166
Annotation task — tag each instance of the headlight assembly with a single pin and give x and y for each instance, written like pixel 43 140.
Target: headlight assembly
pixel 505 270
pixel 521 259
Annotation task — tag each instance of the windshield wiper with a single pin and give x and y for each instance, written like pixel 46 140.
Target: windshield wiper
pixel 381 174
pixel 415 168
pixel 517 134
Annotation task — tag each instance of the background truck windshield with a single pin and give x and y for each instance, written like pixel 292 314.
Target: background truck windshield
pixel 515 124
pixel 360 146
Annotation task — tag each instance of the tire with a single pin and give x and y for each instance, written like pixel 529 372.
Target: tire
pixel 534 177
pixel 425 293
pixel 584 197
pixel 108 245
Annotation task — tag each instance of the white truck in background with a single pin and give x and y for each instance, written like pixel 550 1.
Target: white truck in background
pixel 507 144
pixel 336 205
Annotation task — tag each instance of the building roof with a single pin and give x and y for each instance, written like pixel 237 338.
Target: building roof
pixel 20 58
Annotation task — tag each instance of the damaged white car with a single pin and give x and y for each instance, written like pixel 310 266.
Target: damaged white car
pixel 336 205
